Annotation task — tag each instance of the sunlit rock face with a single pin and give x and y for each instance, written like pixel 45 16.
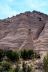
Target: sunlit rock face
pixel 27 30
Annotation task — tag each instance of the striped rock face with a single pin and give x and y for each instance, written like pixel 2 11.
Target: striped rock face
pixel 41 43
pixel 27 30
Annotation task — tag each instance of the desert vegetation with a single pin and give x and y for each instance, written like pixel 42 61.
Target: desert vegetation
pixel 27 54
pixel 5 66
pixel 20 61
pixel 45 63
pixel 15 55
pixel 10 60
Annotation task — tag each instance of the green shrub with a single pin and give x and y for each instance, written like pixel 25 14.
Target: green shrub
pixel 45 63
pixel 26 68
pixel 27 54
pixel 24 54
pixel 37 55
pixel 29 69
pixel 13 56
pixel 5 66
pixel 1 54
pixel 17 69
pixel 30 54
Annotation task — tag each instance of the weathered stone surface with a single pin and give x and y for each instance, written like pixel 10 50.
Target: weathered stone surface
pixel 26 30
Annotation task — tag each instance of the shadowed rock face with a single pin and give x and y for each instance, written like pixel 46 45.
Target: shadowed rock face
pixel 26 30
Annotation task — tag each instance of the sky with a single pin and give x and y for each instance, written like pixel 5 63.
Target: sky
pixel 9 8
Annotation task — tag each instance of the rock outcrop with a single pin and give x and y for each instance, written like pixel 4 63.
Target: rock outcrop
pixel 27 30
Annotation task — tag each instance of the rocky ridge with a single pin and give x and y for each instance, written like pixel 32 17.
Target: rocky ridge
pixel 27 30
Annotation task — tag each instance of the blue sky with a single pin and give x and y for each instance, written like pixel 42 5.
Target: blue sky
pixel 9 8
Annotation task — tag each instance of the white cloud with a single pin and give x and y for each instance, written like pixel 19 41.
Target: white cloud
pixel 39 5
pixel 6 11
pixel 13 7
pixel 36 3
